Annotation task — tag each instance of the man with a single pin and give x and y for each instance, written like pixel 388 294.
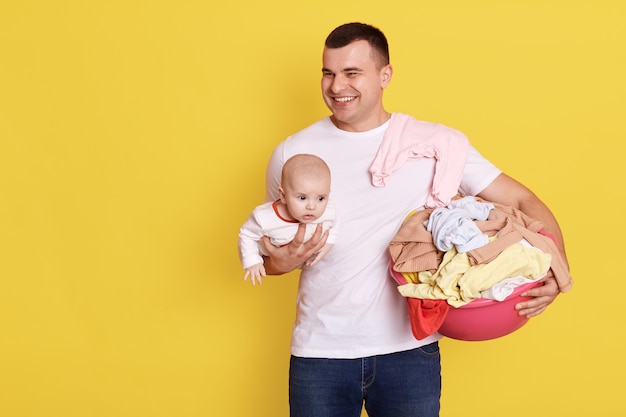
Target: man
pixel 352 342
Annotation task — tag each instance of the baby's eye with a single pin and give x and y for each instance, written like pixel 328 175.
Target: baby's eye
pixel 301 198
pixel 320 199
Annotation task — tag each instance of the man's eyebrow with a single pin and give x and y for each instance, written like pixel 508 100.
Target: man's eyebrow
pixel 349 69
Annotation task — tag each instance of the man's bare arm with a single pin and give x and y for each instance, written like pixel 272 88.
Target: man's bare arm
pixel 505 190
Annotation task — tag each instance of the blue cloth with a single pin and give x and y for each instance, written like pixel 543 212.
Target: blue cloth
pixel 454 225
pixel 398 384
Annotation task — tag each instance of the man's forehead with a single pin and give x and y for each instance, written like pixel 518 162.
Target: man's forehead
pixel 349 57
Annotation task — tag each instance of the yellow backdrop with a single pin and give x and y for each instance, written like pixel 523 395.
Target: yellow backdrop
pixel 133 142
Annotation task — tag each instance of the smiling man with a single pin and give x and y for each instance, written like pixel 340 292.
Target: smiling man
pixel 354 77
pixel 352 343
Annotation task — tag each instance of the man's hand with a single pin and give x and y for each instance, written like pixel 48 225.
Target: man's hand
pixel 543 296
pixel 293 255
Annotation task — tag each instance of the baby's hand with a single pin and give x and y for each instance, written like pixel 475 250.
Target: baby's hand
pixel 319 255
pixel 255 272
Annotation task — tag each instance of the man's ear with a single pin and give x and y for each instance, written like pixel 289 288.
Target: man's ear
pixel 385 75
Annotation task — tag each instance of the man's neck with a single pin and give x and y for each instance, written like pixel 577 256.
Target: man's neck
pixel 364 126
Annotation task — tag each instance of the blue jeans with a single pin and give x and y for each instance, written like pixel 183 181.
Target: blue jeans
pixel 403 384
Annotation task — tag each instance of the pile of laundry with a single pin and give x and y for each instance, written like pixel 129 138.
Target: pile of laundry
pixel 448 256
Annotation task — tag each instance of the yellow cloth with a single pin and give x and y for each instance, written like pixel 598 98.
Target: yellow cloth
pixel 459 282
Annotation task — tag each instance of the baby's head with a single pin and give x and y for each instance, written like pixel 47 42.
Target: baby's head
pixel 305 186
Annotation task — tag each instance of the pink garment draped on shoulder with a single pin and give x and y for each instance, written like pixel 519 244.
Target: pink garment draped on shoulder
pixel 410 139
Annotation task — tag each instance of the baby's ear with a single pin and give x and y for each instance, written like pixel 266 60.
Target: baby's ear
pixel 281 192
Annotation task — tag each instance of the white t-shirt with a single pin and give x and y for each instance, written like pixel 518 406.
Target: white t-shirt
pixel 348 306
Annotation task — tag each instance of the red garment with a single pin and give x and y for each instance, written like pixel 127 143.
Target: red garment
pixel 426 316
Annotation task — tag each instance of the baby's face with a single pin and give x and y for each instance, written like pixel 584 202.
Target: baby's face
pixel 306 198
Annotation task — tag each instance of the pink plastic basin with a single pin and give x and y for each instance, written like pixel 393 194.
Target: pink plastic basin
pixel 483 319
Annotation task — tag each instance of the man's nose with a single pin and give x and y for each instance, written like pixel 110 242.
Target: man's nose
pixel 338 84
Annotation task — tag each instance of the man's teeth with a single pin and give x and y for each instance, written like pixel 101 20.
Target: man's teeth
pixel 344 99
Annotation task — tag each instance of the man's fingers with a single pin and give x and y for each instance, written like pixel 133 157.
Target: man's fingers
pixel 318 233
pixel 312 245
pixel 319 237
pixel 291 256
pixel 300 234
pixel 542 297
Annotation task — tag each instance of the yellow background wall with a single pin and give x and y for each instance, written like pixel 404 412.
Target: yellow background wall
pixel 133 142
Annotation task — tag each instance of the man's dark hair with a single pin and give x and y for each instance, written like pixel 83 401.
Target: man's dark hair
pixel 351 32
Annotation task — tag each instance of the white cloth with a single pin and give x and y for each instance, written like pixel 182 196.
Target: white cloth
pixel 266 221
pixel 347 305
pixel 504 288
pixel 454 225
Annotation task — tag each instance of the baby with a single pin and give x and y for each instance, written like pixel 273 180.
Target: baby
pixel 304 191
